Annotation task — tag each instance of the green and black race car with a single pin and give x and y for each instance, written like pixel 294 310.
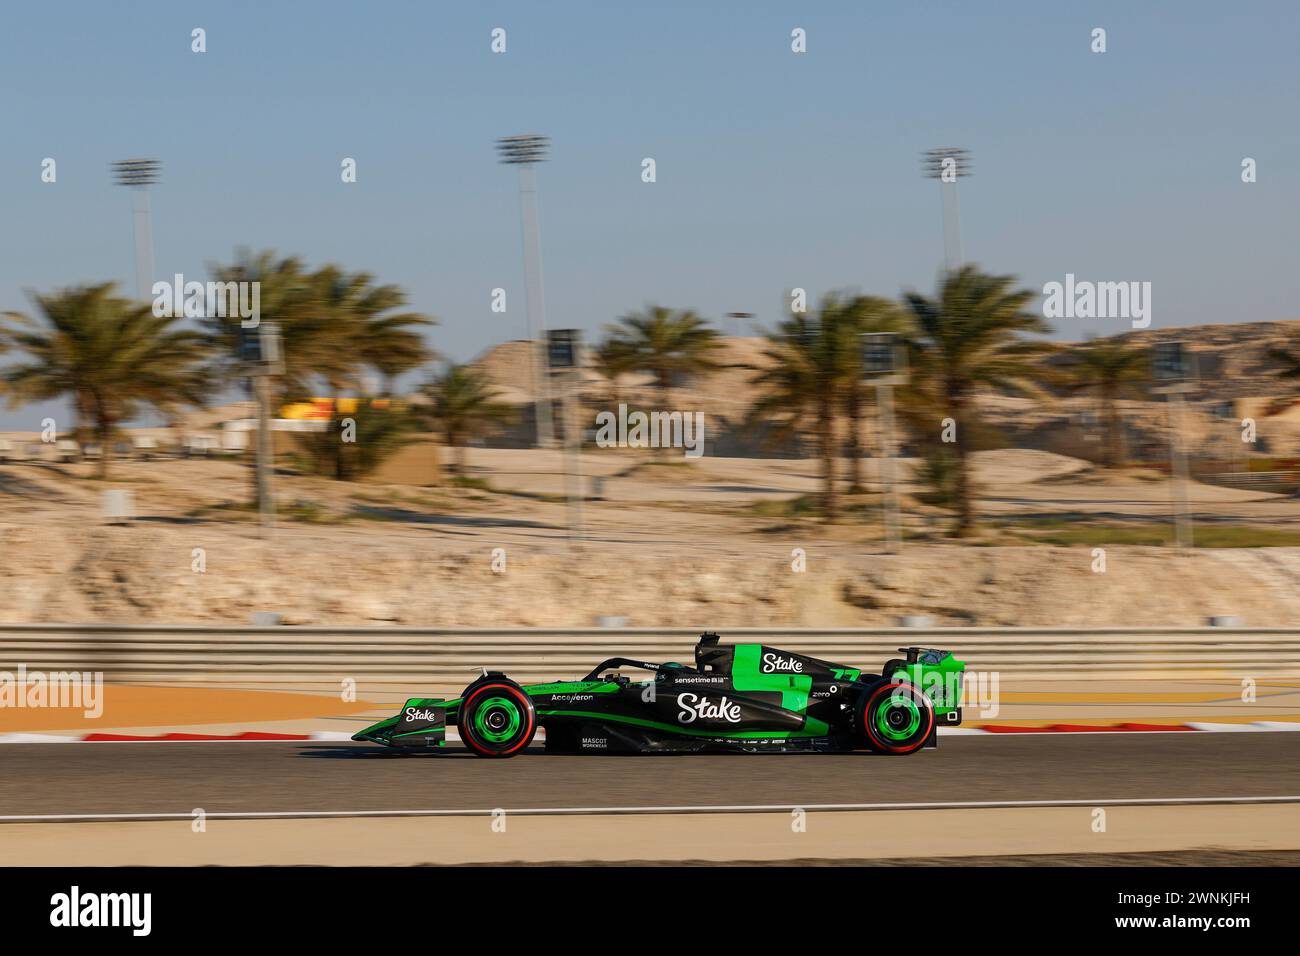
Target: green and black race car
pixel 738 697
pixel 748 698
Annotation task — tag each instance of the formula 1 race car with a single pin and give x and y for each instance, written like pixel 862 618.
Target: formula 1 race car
pixel 745 698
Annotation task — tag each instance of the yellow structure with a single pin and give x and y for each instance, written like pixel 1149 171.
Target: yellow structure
pixel 322 409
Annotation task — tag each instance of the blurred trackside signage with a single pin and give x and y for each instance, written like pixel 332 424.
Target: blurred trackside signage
pixel 562 348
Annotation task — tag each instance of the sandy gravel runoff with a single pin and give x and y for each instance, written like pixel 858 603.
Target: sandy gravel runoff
pixel 715 837
pixel 668 542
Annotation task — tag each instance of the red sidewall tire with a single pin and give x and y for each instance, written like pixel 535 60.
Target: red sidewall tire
pixel 874 740
pixel 464 724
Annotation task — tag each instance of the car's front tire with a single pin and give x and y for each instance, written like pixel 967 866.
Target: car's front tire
pixel 496 718
pixel 895 718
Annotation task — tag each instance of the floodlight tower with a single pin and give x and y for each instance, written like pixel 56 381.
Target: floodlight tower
pixel 948 164
pixel 1174 371
pixel 526 151
pixel 564 353
pixel 884 364
pixel 740 318
pixel 140 174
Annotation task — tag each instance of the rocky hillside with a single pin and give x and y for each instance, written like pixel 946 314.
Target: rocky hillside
pixel 145 574
pixel 1232 361
pixel 1232 357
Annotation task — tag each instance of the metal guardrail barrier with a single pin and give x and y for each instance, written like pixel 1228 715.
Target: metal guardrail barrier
pixel 1253 479
pixel 445 658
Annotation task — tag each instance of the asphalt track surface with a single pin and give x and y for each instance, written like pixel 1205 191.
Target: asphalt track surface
pixel 172 778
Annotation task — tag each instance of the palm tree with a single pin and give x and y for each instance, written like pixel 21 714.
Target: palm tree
pixel 969 339
pixel 801 384
pixel 110 355
pixel 333 325
pixel 1110 368
pixel 611 360
pixel 364 331
pixel 664 343
pixel 1290 359
pixel 464 404
pixel 852 318
pixel 380 429
pixel 285 299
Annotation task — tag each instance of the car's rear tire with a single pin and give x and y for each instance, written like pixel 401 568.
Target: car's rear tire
pixel 895 718
pixel 496 718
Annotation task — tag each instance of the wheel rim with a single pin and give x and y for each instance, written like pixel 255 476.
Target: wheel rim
pixel 497 719
pixel 898 717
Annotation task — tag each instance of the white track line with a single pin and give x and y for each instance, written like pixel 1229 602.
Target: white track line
pixel 607 811
pixel 1213 728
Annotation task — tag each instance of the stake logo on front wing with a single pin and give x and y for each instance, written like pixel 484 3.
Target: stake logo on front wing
pixel 694 706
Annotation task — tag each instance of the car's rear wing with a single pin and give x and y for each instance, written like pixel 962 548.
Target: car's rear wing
pixel 938 675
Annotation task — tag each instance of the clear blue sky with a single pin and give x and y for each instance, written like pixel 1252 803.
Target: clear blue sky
pixel 775 170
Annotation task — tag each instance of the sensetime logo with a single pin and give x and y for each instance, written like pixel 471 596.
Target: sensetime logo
pixel 656 430
pixel 74 908
pixel 197 300
pixel 67 689
pixel 1098 300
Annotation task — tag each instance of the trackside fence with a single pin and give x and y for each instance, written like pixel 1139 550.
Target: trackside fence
pixel 444 658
